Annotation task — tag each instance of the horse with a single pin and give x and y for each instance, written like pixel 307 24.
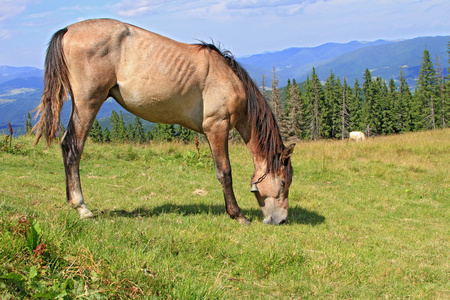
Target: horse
pixel 197 86
pixel 356 136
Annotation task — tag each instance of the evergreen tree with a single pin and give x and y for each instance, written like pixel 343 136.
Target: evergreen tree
pixel 331 121
pixel 345 115
pixel 425 95
pixel 149 135
pixel 294 119
pixel 313 103
pixel 130 132
pixel 122 128
pixel 446 94
pixel 368 115
pixel 185 135
pixel 355 108
pixel 115 126
pixel 405 103
pixel 396 113
pixel 263 87
pixel 384 108
pixel 106 135
pixel 287 96
pixel 28 125
pixel 275 103
pixel 164 132
pixel 440 91
pixel 96 133
pixel 139 134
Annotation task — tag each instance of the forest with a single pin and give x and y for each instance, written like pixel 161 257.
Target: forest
pixel 315 109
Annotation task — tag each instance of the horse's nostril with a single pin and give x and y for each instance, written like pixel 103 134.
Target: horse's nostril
pixel 282 222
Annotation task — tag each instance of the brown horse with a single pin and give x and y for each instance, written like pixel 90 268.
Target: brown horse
pixel 163 81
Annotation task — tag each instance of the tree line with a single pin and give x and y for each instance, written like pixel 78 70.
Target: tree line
pixel 330 110
pixel 314 110
pixel 134 131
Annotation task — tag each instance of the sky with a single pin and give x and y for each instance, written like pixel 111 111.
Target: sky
pixel 244 27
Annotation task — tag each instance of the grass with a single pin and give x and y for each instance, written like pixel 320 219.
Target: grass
pixel 367 220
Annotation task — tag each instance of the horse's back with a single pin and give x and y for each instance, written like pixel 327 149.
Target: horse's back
pixel 152 76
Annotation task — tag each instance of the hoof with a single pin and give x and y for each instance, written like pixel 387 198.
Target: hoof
pixel 84 212
pixel 244 220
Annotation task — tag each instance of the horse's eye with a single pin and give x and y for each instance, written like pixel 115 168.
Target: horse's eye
pixel 283 183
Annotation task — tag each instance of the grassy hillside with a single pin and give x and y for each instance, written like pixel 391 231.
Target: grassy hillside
pixel 367 220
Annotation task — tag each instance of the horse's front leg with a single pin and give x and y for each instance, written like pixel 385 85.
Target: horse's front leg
pixel 217 136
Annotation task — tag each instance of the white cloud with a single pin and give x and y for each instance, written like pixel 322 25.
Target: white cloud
pixel 256 4
pixel 129 8
pixel 4 34
pixel 11 8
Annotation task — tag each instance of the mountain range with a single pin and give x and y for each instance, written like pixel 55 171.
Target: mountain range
pixel 21 87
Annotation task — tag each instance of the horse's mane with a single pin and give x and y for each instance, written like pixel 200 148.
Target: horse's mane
pixel 261 117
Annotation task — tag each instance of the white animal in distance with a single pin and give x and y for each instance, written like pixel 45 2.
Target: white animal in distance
pixel 357 136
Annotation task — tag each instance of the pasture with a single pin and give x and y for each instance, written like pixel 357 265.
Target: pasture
pixel 367 220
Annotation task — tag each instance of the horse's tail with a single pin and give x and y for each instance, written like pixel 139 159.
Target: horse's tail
pixel 56 89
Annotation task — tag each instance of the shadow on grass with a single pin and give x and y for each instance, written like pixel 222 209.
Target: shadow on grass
pixel 297 215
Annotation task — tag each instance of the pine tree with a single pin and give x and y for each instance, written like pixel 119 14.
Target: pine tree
pixel 326 124
pixel 345 115
pixel 96 133
pixel 130 132
pixel 115 126
pixel 384 108
pixel 314 100
pixel 122 128
pixel 139 134
pixel 275 103
pixel 263 87
pixel 164 132
pixel 106 135
pixel 355 108
pixel 446 94
pixel 331 120
pixel 440 95
pixel 425 95
pixel 149 135
pixel 371 95
pixel 367 102
pixel 287 96
pixel 396 113
pixel 185 135
pixel 28 125
pixel 405 103
pixel 294 119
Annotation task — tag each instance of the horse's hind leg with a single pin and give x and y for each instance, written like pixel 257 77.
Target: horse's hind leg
pixel 72 145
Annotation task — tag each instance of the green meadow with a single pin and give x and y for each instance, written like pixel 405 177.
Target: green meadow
pixel 367 220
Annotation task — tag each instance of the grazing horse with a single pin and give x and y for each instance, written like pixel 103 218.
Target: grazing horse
pixel 356 136
pixel 160 80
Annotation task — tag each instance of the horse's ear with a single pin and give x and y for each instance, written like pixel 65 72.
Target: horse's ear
pixel 287 152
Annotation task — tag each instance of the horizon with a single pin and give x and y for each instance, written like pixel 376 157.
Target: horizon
pixel 246 28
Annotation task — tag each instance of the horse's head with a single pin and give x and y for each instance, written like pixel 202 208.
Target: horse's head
pixel 272 190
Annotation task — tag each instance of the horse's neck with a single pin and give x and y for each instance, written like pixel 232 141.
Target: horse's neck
pixel 259 156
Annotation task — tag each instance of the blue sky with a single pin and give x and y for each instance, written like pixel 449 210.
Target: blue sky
pixel 245 27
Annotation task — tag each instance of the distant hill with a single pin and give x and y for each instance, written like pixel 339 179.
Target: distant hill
pixel 382 58
pixel 8 73
pixel 21 88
